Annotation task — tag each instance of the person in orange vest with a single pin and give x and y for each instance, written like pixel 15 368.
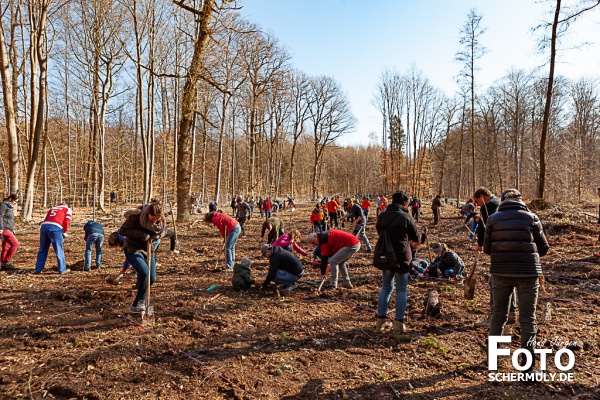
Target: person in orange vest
pixel 332 208
pixel 366 203
pixel 316 218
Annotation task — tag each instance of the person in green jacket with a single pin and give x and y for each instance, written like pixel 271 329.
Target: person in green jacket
pixel 241 279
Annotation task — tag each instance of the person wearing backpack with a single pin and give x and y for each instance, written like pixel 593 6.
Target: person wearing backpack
pixel 415 208
pixel 401 231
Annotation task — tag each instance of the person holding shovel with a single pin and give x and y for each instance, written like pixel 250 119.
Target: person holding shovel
pixel 337 247
pixel 230 231
pixel 142 225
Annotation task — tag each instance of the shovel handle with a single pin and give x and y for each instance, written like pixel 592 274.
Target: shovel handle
pixel 149 250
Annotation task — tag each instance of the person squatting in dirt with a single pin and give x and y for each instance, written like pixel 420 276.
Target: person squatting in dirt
pixel 242 275
pixel 94 238
pixel 447 262
pixel 284 268
pixel 230 230
pixel 274 228
pixel 115 239
pixel 515 240
pixel 142 225
pixel 52 232
pixel 289 241
pixel 336 247
pixel 401 229
pixel 10 244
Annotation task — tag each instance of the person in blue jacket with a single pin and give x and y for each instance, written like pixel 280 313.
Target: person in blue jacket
pixel 94 237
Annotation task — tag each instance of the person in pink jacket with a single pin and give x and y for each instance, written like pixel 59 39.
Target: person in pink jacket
pixel 230 230
pixel 289 241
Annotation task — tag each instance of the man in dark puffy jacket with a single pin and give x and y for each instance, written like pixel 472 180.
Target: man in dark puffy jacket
pixel 514 238
pixel 284 267
pixel 402 231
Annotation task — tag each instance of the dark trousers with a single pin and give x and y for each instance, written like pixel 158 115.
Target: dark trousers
pixel 527 291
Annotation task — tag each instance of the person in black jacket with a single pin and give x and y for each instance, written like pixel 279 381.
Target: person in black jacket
pixel 514 239
pixel 488 204
pixel 142 225
pixel 94 237
pixel 402 231
pixel 284 267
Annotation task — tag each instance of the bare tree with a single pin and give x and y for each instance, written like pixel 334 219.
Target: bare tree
pixel 472 51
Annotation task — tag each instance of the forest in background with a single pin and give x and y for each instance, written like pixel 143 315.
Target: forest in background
pixel 96 95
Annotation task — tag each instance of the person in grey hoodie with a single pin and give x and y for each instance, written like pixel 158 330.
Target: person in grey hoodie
pixel 7 228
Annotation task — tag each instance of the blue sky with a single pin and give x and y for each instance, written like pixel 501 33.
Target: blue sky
pixel 353 41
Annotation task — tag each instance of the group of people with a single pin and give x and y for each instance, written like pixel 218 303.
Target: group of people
pixel 504 228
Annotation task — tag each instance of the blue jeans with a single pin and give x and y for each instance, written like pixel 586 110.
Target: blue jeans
pixel 318 227
pixel 97 240
pixel 285 278
pixel 267 214
pixel 232 238
pixel 388 278
pixel 139 263
pixel 473 227
pixel 51 234
pixel 359 232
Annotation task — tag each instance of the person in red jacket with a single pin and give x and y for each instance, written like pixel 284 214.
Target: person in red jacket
pixel 266 206
pixel 230 231
pixel 337 247
pixel 53 230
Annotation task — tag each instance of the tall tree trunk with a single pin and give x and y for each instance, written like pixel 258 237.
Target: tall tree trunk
pixel 188 106
pixel 542 180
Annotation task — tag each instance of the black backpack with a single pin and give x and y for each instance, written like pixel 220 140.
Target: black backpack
pixel 384 256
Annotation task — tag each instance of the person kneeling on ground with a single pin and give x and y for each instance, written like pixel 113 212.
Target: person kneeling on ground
pixel 284 268
pixel 449 263
pixel 241 279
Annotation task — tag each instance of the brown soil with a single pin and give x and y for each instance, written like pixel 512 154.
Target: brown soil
pixel 70 336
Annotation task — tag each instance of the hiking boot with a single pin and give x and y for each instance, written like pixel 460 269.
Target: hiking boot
pixel 141 306
pixel 382 324
pixel 484 324
pixel 175 251
pixel 511 318
pixel 399 327
pixel 348 285
pixel 66 271
pixel 7 267
pixel 87 269
pixel 290 288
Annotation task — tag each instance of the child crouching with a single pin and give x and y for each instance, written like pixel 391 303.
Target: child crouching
pixel 241 279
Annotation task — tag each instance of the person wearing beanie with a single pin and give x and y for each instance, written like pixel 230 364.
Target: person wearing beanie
pixel 447 262
pixel 401 230
pixel 242 279
pixel 284 268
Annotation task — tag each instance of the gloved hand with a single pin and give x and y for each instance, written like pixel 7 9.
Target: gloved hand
pixel 65 234
pixel 123 271
pixel 316 262
pixel 146 237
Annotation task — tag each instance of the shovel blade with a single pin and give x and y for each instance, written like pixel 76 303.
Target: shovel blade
pixel 148 316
